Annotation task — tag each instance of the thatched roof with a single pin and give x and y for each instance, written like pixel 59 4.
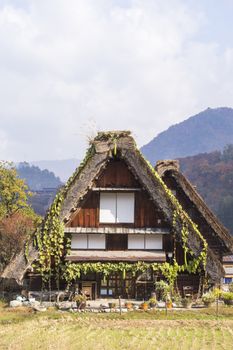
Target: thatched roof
pixel 222 237
pixel 16 269
pixel 101 151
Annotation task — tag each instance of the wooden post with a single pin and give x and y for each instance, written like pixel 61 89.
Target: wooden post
pixel 217 301
pixel 50 296
pixel 120 304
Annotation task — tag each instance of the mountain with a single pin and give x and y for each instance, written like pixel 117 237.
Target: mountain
pixel 212 174
pixel 37 179
pixel 43 183
pixel 207 131
pixel 62 168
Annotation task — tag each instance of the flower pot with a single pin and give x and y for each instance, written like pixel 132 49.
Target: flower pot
pixel 144 306
pixel 207 303
pixel 112 305
pixel 81 305
pixel 152 305
pixel 186 304
pixel 169 304
pixel 128 305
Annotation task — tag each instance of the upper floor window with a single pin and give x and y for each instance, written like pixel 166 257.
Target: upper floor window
pixel 117 208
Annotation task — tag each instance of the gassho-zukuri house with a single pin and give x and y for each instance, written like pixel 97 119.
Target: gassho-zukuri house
pixel 119 225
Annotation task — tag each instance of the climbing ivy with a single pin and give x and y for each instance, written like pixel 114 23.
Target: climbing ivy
pixel 180 216
pixel 50 239
pixel 52 244
pixel 73 271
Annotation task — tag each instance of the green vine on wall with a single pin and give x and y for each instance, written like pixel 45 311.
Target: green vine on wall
pixel 180 216
pixel 50 239
pixel 53 245
pixel 73 271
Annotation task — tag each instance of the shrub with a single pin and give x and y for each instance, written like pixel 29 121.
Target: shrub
pixel 230 287
pixel 152 302
pixel 186 302
pixel 227 298
pixel 79 298
pixel 208 298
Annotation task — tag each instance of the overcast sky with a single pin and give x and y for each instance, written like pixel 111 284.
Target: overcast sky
pixel 71 67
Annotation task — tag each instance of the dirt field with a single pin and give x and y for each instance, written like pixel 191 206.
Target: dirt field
pixel 22 329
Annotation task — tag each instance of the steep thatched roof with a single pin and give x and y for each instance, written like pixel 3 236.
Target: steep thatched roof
pixel 170 168
pixel 16 269
pixel 102 149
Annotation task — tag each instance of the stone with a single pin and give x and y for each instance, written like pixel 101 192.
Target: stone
pixel 15 303
pixel 39 308
pixel 107 310
pixel 161 304
pixel 32 300
pixel 124 309
pixel 20 298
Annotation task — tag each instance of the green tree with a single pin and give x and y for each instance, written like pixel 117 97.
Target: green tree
pixel 13 191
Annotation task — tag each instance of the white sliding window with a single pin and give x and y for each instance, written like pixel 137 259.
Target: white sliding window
pixel 108 207
pixel 136 242
pixel 88 241
pixel 125 207
pixel 96 241
pixel 154 242
pixel 117 207
pixel 79 241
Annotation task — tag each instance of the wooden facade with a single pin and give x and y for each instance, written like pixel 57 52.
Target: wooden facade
pixel 116 209
pixel 116 176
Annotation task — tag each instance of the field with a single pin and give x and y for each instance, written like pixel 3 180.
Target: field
pixel 193 329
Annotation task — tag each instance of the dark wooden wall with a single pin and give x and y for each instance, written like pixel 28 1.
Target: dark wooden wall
pixel 118 175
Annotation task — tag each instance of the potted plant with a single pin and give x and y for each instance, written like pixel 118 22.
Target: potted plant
pixel 230 287
pixel 227 298
pixel 208 299
pixel 128 305
pixel 165 289
pixel 152 302
pixel 186 302
pixel 112 305
pixel 144 306
pixel 80 301
pixel 169 304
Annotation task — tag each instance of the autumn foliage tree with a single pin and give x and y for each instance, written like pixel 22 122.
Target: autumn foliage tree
pixel 212 174
pixel 17 219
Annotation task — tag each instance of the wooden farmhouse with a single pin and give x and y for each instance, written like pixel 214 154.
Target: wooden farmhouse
pixel 119 225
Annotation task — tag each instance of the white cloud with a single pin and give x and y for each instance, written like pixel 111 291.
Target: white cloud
pixel 138 65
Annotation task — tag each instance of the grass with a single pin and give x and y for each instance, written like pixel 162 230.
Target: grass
pixel 191 329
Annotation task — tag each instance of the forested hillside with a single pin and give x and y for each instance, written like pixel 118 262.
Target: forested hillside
pixel 207 131
pixel 43 183
pixel 212 174
pixel 37 179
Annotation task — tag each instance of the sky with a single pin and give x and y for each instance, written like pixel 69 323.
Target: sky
pixel 69 68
